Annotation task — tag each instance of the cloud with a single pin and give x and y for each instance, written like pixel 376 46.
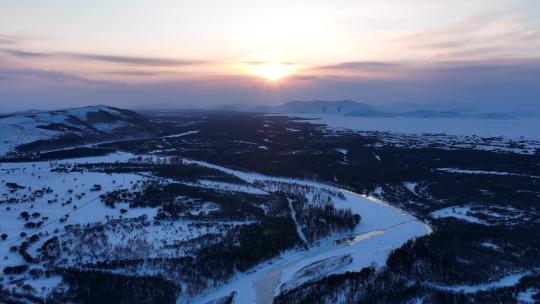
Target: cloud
pixel 131 60
pixel 133 73
pixel 307 77
pixel 9 40
pixel 361 69
pixel 444 67
pixel 47 75
pixel 126 60
pixel 22 53
pixel 492 36
pixel 265 62
pixel 359 65
pixel 472 52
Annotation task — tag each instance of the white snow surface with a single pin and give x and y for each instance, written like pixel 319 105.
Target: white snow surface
pixel 18 131
pixel 22 128
pixel 509 280
pixel 298 227
pixel 89 208
pixel 181 134
pixel 342 151
pixel 527 295
pixel 82 113
pixel 512 128
pixel 227 187
pixel 459 212
pixel 501 136
pixel 411 187
pixel 490 245
pixel 482 172
pixel 501 214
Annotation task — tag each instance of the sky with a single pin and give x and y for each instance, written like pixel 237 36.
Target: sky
pixel 165 53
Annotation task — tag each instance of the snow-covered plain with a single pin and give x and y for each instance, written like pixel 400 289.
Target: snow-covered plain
pixel 480 215
pixel 181 134
pixel 490 245
pixel 227 187
pixel 512 128
pixel 459 212
pixel 382 229
pixel 509 280
pixel 411 187
pixel 527 295
pixel 51 207
pixel 481 172
pixel 504 135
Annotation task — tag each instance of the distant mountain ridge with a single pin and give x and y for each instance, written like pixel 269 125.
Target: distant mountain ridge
pixel 305 107
pixel 322 106
pixel 354 108
pixel 81 125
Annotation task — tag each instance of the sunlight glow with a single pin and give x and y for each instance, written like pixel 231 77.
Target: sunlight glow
pixel 273 70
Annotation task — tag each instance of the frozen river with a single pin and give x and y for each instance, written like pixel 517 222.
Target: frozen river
pixel 382 229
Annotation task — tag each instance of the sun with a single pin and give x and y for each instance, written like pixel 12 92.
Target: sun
pixel 273 70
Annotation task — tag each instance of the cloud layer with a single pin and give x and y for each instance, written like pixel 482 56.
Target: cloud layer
pixel 491 85
pixel 119 59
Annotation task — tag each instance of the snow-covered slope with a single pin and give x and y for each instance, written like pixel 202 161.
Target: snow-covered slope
pixel 88 122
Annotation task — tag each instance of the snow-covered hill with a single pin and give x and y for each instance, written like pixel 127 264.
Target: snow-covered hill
pixel 90 124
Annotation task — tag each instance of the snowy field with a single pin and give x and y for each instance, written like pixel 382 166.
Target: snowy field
pixel 496 215
pixel 52 200
pixel 458 212
pixel 506 281
pixel 465 171
pixel 511 128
